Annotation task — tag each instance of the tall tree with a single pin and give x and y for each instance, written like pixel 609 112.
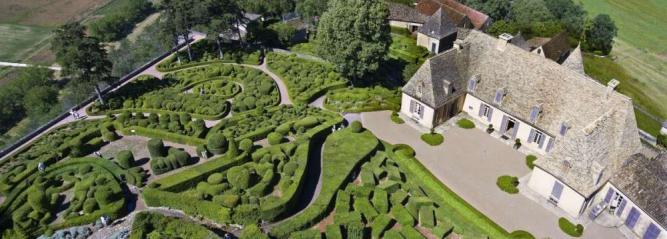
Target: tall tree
pixel 182 15
pixel 355 36
pixel 570 14
pixel 600 34
pixel 527 12
pixel 496 9
pixel 83 59
pixel 308 9
pixel 224 14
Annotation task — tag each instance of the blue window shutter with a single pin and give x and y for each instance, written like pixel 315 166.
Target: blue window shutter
pixel 481 109
pixel 534 112
pixel 490 114
pixel 471 85
pixel 631 220
pixel 503 125
pixel 620 208
pixel 652 232
pixel 550 145
pixel 610 192
pixel 421 111
pixel 515 130
pixel 557 190
pixel 531 136
pixel 412 106
pixel 541 142
pixel 563 129
pixel 499 96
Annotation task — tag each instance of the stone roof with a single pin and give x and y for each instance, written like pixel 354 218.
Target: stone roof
pixel 644 181
pixel 478 19
pixel 405 13
pixel 435 78
pixel 558 48
pixel 602 127
pixel 438 26
pixel 575 61
pixel 520 41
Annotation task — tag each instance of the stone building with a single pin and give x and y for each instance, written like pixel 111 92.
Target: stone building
pixel 582 131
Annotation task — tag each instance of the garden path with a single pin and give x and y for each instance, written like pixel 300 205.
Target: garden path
pixel 469 162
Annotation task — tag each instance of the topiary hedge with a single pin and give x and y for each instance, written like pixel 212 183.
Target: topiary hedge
pixel 217 143
pixel 125 159
pixel 530 161
pixel 508 184
pixel 569 228
pixel 433 139
pixel 156 148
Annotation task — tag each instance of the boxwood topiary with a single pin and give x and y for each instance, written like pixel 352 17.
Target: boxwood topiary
pixel 215 179
pixel 239 177
pixel 217 143
pixel 125 159
pixel 246 145
pixel 156 148
pixel 275 138
pixel 356 127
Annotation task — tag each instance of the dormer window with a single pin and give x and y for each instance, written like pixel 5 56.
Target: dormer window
pixel 500 93
pixel 534 113
pixel 420 89
pixel 563 128
pixel 472 83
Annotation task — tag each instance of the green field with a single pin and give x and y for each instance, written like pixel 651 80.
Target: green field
pixel 639 49
pixel 18 41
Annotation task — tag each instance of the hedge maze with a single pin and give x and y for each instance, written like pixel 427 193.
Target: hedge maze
pixel 206 52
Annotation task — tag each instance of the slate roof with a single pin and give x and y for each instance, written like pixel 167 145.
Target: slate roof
pixel 455 10
pixel 438 26
pixel 644 181
pixel 435 77
pixel 602 128
pixel 575 61
pixel 520 42
pixel 405 13
pixel 558 48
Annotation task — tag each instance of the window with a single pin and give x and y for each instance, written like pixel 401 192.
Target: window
pixel 499 96
pixel 472 83
pixel 563 128
pixel 652 232
pixel 416 109
pixel 485 111
pixel 538 137
pixel 534 112
pixel 633 216
pixel 556 191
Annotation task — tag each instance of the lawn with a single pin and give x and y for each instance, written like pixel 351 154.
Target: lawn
pixel 18 41
pixel 639 47
pixel 46 13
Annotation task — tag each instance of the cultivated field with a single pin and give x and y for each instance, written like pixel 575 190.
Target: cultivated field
pixel 640 47
pixel 48 13
pixel 16 41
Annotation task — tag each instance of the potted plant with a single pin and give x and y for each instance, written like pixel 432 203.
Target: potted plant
pixel 490 129
pixel 517 143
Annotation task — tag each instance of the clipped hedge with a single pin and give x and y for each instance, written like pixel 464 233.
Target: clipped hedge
pixel 569 228
pixel 381 224
pixel 508 184
pixel 465 124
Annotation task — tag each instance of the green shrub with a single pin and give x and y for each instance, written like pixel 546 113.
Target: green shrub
pixel 411 233
pixel 508 184
pixel 396 119
pixel 433 139
pixel 465 124
pixel 442 231
pixel 355 230
pixel 333 232
pixel 215 179
pixel 217 144
pixel 285 128
pixel 393 235
pixel 307 234
pixel 381 201
pixel 246 145
pixel 519 234
pixel 530 161
pixel 356 127
pixel 246 214
pixel 228 200
pixel 307 122
pixel 569 228
pixel 427 217
pixel 252 232
pixel 364 206
pixel 89 205
pixel 156 148
pixel 380 225
pixel 104 196
pixel 125 159
pixel 275 138
pixel 109 136
pixel 402 216
pixel 239 177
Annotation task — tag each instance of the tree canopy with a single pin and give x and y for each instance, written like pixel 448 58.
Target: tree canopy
pixel 355 36
pixel 600 34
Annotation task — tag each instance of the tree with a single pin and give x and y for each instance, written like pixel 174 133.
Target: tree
pixel 496 9
pixel 224 14
pixel 570 14
pixel 600 34
pixel 355 36
pixel 308 9
pixel 527 12
pixel 502 26
pixel 182 15
pixel 40 100
pixel 284 32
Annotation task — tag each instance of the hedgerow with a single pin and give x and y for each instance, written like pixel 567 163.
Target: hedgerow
pixel 206 52
pixel 321 77
pixel 363 99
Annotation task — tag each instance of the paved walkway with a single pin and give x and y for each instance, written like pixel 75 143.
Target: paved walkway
pixel 469 162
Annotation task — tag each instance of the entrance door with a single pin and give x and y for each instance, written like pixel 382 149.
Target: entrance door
pixel 434 48
pixel 509 129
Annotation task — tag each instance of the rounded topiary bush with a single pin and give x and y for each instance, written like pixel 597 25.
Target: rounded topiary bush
pixel 246 145
pixel 307 122
pixel 37 200
pixel 217 143
pixel 465 124
pixel 90 205
pixel 508 184
pixel 569 227
pixel 404 149
pixel 275 138
pixel 104 196
pixel 84 169
pixel 285 128
pixel 433 139
pixel 109 136
pixel 290 168
pixel 239 177
pixel 356 127
pixel 227 200
pixel 520 234
pixel 530 161
pixel 182 158
pixel 156 148
pixel 125 159
pixel 215 179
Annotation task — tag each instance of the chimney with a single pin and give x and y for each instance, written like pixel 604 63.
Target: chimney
pixel 503 39
pixel 611 86
pixel 458 44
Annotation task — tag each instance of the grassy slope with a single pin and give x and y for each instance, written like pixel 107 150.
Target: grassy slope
pixel 17 41
pixel 639 48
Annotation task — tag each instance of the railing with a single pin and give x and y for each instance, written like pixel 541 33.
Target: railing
pixel 20 142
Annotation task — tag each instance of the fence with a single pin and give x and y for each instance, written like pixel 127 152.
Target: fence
pixel 20 142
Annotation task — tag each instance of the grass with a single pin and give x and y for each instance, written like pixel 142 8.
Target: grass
pixel 363 99
pixel 405 48
pixel 465 123
pixel 508 184
pixel 307 48
pixel 569 228
pixel 530 161
pixel 151 225
pixel 605 69
pixel 18 41
pixel 433 139
pixel 639 48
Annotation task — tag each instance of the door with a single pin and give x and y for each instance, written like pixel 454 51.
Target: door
pixel 556 192
pixel 434 48
pixel 652 232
